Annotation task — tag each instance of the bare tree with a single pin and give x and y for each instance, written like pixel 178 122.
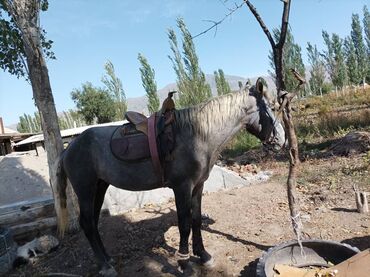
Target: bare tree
pixel 285 99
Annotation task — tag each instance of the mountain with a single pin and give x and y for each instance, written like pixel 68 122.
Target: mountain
pixel 140 103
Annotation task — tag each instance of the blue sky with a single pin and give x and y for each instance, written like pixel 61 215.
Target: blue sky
pixel 88 33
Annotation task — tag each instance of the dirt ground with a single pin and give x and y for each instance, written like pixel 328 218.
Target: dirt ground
pixel 242 223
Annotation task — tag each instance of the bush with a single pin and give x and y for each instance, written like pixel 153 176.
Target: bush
pixel 242 142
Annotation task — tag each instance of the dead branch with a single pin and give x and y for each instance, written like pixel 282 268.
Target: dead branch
pixel 261 22
pixel 216 23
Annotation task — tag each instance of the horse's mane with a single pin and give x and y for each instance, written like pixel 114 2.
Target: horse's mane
pixel 209 117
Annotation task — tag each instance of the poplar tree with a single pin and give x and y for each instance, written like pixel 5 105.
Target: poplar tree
pixel 149 84
pixel 292 58
pixel 191 81
pixel 317 70
pixel 351 62
pixel 115 88
pixel 366 22
pixel 334 59
pixel 222 84
pixel 357 38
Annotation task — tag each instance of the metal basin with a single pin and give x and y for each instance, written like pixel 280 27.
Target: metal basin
pixel 317 253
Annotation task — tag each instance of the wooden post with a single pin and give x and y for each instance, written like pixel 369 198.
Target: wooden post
pixel 361 201
pixel 1 126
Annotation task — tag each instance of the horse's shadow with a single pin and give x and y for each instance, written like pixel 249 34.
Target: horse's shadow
pixel 139 248
pixel 156 256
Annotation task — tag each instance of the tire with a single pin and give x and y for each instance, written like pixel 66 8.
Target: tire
pixel 316 252
pixel 8 250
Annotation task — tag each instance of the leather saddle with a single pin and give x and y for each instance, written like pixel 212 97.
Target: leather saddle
pixel 142 138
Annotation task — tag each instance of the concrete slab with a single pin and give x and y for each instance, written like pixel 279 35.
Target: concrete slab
pixel 24 177
pixel 118 201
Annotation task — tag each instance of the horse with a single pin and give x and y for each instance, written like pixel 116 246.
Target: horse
pixel 201 132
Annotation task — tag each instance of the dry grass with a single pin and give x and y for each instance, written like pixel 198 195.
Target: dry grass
pixel 333 115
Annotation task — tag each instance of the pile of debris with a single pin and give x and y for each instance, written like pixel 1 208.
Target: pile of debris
pixel 352 143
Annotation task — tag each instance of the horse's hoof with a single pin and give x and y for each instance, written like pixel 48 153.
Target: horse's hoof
pixel 210 263
pixel 108 272
pixel 183 260
pixel 206 259
pixel 112 261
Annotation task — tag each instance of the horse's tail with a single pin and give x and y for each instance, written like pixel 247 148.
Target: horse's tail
pixel 60 197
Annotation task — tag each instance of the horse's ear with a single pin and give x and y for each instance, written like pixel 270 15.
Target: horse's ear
pixel 260 85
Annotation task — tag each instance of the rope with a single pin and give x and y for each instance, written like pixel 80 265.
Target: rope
pixel 297 226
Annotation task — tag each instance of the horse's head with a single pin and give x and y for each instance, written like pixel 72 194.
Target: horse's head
pixel 262 121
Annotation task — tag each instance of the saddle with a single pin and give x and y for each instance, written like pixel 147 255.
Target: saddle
pixel 144 138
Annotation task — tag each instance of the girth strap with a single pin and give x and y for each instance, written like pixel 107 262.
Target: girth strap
pixel 152 138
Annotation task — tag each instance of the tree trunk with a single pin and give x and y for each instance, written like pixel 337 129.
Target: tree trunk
pixel 26 15
pixel 44 100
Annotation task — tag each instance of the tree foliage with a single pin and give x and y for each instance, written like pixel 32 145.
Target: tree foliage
pixel 317 69
pixel 222 84
pixel 32 124
pixel 334 59
pixel 191 81
pixel 94 104
pixel 359 45
pixel 71 119
pixel 149 84
pixel 292 58
pixel 366 22
pixel 353 73
pixel 12 51
pixel 114 87
pixel 29 124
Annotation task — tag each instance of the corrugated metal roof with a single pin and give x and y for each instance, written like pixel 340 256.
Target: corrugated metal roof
pixel 68 132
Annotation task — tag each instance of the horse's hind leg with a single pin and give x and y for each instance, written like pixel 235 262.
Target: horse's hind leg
pixel 87 195
pixel 198 247
pixel 99 199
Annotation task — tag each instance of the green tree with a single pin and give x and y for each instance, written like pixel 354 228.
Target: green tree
pixel 71 119
pixel 114 87
pixel 366 22
pixel 334 59
pixel 292 58
pixel 191 81
pixel 29 124
pixel 94 103
pixel 351 61
pixel 359 45
pixel 317 70
pixel 222 85
pixel 149 84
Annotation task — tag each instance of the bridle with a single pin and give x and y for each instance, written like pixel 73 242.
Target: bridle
pixel 272 132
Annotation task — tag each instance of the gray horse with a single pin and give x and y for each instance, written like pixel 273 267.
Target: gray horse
pixel 201 132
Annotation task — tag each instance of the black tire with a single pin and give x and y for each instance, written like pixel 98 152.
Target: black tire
pixel 317 252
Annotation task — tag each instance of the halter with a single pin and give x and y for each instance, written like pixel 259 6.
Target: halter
pixel 272 132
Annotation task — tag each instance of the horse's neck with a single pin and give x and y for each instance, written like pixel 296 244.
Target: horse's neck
pixel 222 119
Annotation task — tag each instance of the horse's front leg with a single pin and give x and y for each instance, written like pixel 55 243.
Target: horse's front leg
pixel 198 247
pixel 183 207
